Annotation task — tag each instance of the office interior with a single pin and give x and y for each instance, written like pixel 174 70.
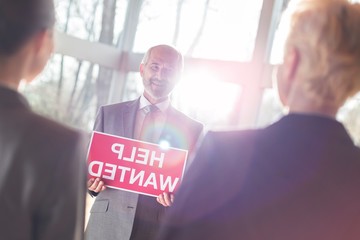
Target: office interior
pixel 231 50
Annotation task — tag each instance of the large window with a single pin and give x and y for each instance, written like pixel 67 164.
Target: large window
pixel 93 20
pixel 66 91
pixel 204 29
pixel 198 94
pixel 216 29
pixel 71 89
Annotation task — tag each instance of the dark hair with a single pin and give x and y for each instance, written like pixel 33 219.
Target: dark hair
pixel 20 20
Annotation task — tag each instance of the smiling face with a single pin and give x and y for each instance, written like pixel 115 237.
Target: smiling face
pixel 160 72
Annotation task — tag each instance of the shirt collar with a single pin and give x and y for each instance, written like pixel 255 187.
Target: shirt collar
pixel 163 106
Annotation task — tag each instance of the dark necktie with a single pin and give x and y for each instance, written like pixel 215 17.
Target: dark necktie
pixel 148 211
pixel 150 129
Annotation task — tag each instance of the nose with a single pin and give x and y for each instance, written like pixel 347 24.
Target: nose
pixel 166 73
pixel 161 73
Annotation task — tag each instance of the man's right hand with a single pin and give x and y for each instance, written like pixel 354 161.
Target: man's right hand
pixel 96 185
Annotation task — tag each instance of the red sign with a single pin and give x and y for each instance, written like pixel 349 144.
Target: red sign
pixel 135 166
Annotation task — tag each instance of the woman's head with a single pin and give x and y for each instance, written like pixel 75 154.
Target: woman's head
pixel 326 35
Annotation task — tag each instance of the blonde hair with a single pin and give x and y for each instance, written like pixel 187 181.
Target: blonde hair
pixel 327 35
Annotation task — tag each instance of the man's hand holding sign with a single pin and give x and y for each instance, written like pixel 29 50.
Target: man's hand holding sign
pixel 134 166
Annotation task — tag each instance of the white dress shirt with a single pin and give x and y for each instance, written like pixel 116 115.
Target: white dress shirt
pixel 160 117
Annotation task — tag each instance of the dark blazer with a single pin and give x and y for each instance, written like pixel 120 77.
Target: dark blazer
pixel 298 179
pixel 42 175
pixel 113 212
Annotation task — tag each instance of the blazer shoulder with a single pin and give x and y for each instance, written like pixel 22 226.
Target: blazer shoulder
pixel 39 132
pixel 43 124
pixel 185 119
pixel 227 137
pixel 25 120
pixel 39 138
pixel 119 105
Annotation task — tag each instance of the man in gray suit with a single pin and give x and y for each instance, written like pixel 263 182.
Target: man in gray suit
pixel 42 168
pixel 124 215
pixel 298 178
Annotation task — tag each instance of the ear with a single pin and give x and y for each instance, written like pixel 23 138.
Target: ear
pixel 142 66
pixel 41 46
pixel 291 64
pixel 43 42
pixel 286 74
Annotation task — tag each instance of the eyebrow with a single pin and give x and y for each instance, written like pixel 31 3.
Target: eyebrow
pixel 167 67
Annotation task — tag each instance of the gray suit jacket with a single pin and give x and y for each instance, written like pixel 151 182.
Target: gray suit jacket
pixel 113 212
pixel 294 180
pixel 42 174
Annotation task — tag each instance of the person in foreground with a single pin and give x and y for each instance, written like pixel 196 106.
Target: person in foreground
pixel 122 215
pixel 299 177
pixel 42 170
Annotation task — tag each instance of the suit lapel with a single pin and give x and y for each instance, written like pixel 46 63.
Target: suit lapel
pixel 129 118
pixel 168 133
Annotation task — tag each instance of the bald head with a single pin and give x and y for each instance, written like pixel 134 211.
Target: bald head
pixel 168 51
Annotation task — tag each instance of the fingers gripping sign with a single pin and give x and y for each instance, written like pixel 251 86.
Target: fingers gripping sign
pixel 96 185
pixel 165 199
